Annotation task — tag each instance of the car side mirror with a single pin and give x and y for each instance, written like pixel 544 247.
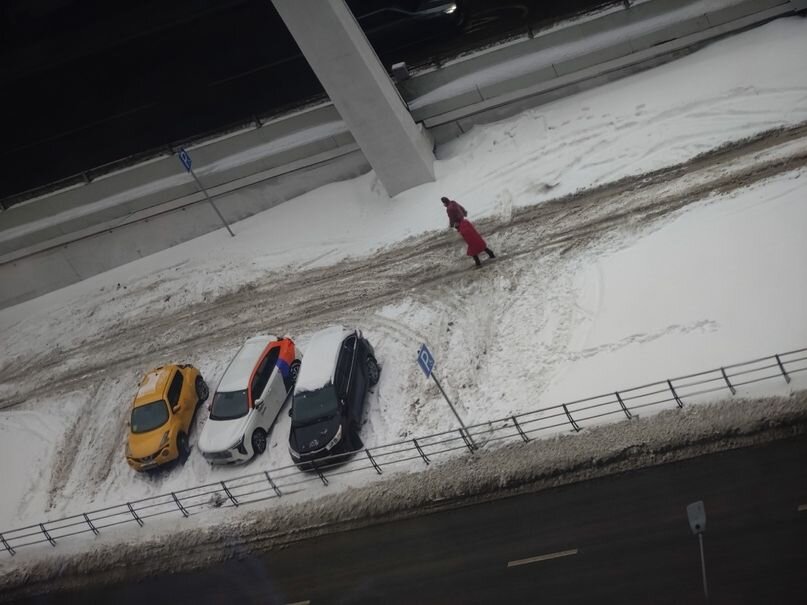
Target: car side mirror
pixel 175 409
pixel 290 410
pixel 259 403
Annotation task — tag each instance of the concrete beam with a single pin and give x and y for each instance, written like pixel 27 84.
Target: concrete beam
pixel 399 150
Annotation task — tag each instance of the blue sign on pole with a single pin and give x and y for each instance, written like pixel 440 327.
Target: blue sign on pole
pixel 185 158
pixel 425 360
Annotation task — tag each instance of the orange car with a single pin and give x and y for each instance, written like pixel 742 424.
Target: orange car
pixel 162 413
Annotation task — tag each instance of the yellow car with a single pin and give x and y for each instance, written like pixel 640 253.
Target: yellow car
pixel 162 413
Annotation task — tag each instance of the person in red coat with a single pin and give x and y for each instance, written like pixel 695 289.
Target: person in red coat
pixel 454 211
pixel 456 219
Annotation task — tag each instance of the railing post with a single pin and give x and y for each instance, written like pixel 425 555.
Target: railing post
pixel 575 426
pixel 782 367
pixel 372 460
pixel 675 395
pixel 520 431
pixel 7 546
pixel 726 378
pixel 421 452
pixel 229 495
pixel 466 437
pixel 134 514
pixel 272 483
pixel 92 527
pixel 623 406
pixel 319 472
pixel 181 508
pixel 47 535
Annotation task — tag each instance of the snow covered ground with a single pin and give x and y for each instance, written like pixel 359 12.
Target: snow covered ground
pixel 706 280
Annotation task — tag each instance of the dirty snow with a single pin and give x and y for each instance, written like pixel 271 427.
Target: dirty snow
pixel 713 283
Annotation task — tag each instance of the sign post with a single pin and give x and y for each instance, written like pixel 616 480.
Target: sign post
pixel 185 158
pixel 426 362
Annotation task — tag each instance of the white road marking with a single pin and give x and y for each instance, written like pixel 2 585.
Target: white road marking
pixel 802 508
pixel 300 603
pixel 554 555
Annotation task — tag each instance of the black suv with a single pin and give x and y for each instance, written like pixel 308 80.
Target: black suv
pixel 338 368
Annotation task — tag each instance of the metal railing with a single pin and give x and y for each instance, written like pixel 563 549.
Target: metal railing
pixel 274 483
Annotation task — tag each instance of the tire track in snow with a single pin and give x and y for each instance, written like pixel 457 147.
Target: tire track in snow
pixel 311 298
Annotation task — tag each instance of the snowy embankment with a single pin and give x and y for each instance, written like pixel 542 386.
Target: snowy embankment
pixel 716 282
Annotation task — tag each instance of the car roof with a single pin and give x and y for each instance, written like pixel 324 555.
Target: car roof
pixel 236 376
pixel 153 384
pixel 319 363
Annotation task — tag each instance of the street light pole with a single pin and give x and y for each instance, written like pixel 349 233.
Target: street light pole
pixel 703 568
pixel 696 512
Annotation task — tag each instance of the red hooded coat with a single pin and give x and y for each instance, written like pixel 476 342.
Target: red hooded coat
pixel 455 213
pixel 476 245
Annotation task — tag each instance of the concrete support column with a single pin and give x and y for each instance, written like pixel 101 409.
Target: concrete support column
pixel 336 48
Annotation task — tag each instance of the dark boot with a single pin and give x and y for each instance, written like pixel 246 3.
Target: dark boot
pixel 477 261
pixel 489 252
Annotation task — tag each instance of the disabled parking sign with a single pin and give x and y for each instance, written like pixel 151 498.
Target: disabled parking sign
pixel 425 360
pixel 185 158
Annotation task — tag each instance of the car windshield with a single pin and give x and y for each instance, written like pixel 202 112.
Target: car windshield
pixel 148 417
pixel 310 406
pixel 230 405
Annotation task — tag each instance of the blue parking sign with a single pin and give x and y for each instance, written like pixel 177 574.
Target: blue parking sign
pixel 185 158
pixel 425 360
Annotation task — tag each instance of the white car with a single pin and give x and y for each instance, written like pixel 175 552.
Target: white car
pixel 255 385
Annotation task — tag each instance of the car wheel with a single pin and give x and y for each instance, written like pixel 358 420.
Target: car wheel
pixel 373 371
pixel 202 390
pixel 183 447
pixel 259 441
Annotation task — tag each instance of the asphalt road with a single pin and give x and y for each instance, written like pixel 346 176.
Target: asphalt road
pixel 621 539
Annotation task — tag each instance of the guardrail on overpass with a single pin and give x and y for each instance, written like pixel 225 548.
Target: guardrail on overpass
pixel 272 483
pixel 574 58
pixel 53 241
